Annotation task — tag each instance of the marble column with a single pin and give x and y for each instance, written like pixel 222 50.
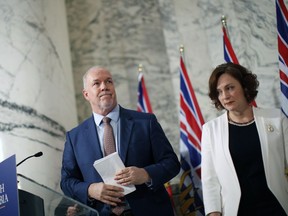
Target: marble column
pixel 37 103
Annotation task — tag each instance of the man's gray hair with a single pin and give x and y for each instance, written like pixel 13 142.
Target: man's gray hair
pixel 87 72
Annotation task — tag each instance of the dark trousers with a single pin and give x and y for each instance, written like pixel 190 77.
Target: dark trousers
pixel 273 208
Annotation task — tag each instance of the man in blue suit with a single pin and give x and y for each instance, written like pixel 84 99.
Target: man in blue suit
pixel 141 144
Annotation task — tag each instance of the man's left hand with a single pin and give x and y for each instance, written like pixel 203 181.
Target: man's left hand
pixel 132 175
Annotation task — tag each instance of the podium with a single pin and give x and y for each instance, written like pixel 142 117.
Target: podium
pixel 38 200
pixel 30 204
pixel 20 195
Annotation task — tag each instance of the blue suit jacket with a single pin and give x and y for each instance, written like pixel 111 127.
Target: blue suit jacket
pixel 143 144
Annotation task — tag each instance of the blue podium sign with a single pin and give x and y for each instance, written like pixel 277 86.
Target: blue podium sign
pixel 9 205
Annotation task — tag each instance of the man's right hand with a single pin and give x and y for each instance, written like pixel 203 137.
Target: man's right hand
pixel 105 193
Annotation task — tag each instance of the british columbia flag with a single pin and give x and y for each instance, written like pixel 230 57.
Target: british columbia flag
pixel 143 104
pixel 282 27
pixel 229 54
pixel 191 122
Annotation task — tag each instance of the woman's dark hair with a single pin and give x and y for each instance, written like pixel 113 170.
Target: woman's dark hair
pixel 247 79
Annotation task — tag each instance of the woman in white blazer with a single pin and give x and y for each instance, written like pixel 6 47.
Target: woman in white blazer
pixel 244 151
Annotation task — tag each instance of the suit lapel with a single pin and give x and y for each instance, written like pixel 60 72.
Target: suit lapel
pixel 92 140
pixel 264 125
pixel 225 136
pixel 126 125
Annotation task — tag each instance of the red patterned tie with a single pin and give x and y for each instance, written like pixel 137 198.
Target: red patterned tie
pixel 109 147
pixel 109 142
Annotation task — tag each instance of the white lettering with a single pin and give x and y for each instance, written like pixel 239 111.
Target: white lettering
pixel 3 199
pixel 2 189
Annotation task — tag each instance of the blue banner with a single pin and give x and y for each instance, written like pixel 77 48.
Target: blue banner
pixel 9 204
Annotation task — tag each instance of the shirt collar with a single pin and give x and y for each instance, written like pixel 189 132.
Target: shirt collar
pixel 113 115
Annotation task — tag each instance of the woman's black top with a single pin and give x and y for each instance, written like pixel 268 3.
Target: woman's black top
pixel 245 150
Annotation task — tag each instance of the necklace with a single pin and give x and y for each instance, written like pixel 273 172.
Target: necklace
pixel 240 123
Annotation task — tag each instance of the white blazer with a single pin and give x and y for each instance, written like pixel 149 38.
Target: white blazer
pixel 221 189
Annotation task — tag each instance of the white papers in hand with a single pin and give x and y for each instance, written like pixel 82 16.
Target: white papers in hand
pixel 107 168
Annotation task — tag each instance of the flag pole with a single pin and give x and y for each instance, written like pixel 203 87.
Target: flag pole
pixel 140 68
pixel 224 24
pixel 223 20
pixel 181 50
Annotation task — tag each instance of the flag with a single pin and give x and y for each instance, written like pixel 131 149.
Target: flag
pixel 191 122
pixel 229 54
pixel 144 105
pixel 282 27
